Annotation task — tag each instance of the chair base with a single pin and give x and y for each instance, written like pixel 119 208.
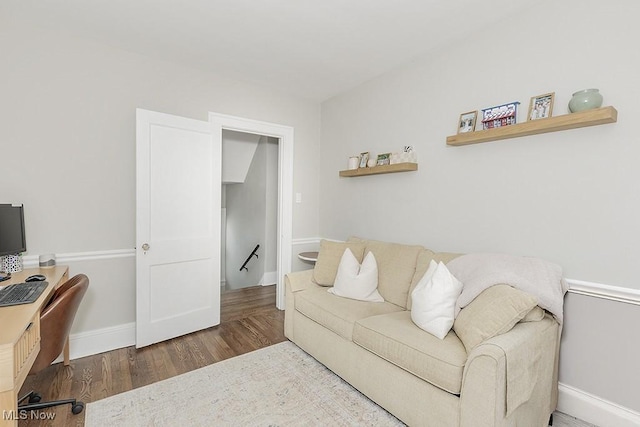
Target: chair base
pixel 35 404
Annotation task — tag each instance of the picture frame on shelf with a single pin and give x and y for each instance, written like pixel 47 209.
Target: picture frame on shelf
pixel 500 115
pixel 467 122
pixel 383 159
pixel 541 106
pixel 364 158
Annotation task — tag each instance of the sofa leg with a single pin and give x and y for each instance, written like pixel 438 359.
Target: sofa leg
pixel 551 419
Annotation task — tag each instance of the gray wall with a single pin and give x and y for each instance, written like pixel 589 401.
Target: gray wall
pixel 238 149
pixel 570 197
pixel 67 144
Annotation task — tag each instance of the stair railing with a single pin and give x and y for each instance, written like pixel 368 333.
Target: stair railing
pixel 244 266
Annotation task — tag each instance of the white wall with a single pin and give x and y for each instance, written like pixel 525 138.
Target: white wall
pixel 67 148
pixel 238 149
pixel 570 197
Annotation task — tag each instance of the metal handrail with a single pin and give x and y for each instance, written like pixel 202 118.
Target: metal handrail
pixel 244 266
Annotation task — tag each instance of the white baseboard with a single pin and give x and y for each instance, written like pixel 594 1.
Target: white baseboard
pixel 98 341
pixel 593 409
pixel 269 278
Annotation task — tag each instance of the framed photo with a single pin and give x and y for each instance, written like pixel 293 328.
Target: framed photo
pixel 541 106
pixel 467 122
pixel 500 115
pixel 364 158
pixel 383 159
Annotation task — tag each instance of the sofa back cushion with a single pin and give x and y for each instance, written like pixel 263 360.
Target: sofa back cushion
pixel 422 265
pixel 329 256
pixel 396 268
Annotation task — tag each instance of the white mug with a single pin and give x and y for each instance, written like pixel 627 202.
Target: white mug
pixel 353 162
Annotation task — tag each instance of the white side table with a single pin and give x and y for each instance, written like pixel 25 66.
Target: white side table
pixel 310 257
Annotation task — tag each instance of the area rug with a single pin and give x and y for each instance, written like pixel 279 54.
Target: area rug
pixel 279 385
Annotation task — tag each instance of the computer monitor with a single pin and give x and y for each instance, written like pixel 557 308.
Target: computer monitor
pixel 12 236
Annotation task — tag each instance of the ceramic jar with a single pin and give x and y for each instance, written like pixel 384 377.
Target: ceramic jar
pixel 587 99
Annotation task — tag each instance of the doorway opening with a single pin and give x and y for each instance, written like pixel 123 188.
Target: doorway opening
pixel 272 135
pixel 249 210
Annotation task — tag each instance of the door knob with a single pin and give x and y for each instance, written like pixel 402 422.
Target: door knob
pixel 145 246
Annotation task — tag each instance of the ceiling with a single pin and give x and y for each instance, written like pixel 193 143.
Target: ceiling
pixel 313 49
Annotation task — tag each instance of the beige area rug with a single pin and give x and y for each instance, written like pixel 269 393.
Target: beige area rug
pixel 279 385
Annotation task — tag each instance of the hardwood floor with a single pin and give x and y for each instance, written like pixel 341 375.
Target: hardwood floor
pixel 249 321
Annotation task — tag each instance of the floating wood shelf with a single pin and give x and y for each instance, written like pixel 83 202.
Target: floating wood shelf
pixel 599 116
pixel 398 167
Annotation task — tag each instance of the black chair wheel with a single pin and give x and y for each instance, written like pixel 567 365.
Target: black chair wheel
pixel 77 408
pixel 35 398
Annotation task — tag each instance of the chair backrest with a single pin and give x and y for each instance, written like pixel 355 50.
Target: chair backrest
pixel 66 285
pixel 56 320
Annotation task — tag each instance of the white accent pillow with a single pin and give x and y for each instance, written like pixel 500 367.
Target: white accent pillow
pixel 357 281
pixel 434 300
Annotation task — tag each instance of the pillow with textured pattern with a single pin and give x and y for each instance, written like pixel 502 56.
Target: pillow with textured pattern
pixel 495 311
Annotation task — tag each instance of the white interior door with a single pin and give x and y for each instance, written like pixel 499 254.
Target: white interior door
pixel 177 226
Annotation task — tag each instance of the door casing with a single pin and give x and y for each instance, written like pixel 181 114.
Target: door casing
pixel 285 185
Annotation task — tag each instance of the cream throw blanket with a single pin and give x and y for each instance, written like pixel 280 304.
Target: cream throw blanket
pixel 534 276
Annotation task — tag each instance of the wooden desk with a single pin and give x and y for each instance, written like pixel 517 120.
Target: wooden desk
pixel 20 339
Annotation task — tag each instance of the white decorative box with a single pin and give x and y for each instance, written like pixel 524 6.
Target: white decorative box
pixel 411 157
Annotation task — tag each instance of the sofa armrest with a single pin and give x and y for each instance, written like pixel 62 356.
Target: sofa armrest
pixel 294 282
pixel 484 393
pixel 299 280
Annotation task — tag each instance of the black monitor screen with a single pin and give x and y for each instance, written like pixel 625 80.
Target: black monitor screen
pixel 12 237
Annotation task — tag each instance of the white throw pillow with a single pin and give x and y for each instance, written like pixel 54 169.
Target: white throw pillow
pixel 434 300
pixel 357 281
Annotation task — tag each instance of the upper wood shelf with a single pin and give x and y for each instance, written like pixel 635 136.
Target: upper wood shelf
pixel 398 167
pixel 599 116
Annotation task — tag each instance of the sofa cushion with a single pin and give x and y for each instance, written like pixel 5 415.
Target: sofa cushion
pixel 422 265
pixel 396 339
pixel 396 268
pixel 494 312
pixel 336 313
pixel 324 272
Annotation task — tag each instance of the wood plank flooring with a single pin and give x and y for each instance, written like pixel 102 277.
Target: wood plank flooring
pixel 249 321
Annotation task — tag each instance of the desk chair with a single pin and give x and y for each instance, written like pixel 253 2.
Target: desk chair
pixel 55 323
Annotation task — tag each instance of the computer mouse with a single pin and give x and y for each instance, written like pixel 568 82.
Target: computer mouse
pixel 36 278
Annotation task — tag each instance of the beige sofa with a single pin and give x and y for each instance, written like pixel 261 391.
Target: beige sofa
pixel 417 377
